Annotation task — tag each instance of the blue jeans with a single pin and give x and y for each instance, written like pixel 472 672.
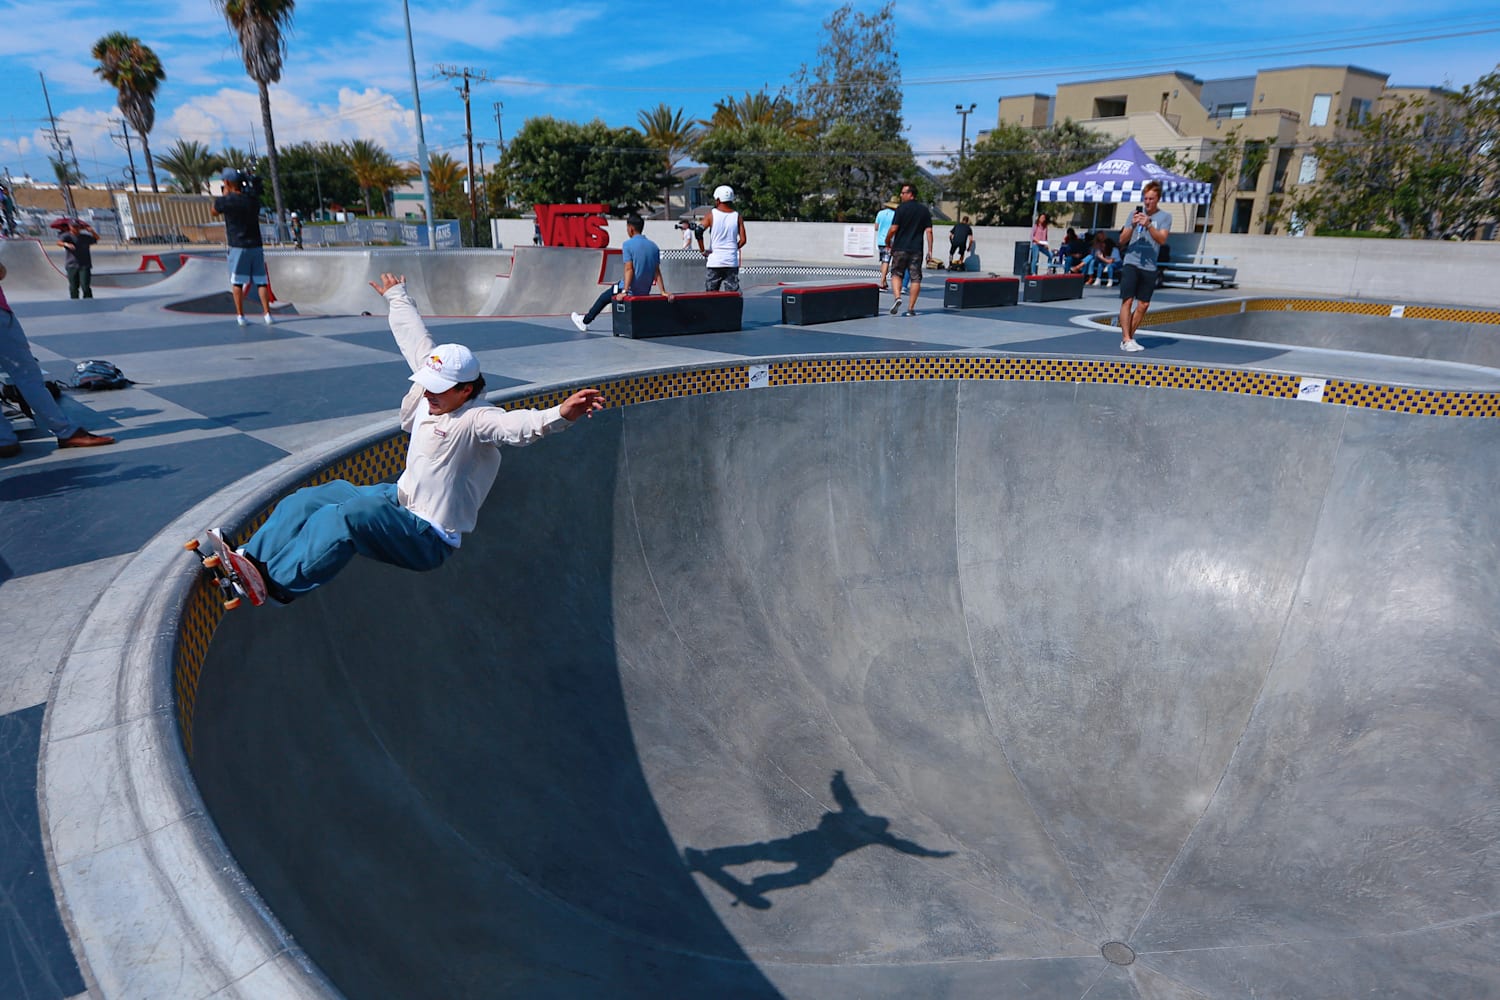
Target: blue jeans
pixel 600 304
pixel 1037 251
pixel 16 359
pixel 313 534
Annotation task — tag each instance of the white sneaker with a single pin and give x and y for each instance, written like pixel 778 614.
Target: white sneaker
pixel 1131 345
pixel 269 321
pixel 242 321
pixel 578 322
pixel 896 306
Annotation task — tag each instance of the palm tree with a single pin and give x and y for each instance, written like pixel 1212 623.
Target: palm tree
pixel 373 167
pixel 191 165
pixel 446 175
pixel 668 131
pixel 129 65
pixel 259 24
pixel 760 109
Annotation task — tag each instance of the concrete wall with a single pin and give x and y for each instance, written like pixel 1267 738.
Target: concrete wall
pixel 1392 270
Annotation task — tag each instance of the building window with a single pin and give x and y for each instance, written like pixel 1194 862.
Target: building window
pixel 1359 111
pixel 1234 109
pixel 1307 173
pixel 1109 107
pixel 1240 221
pixel 1321 104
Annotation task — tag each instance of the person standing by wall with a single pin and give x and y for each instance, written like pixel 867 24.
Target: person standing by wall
pixel 247 258
pixel 882 228
pixel 912 224
pixel 642 272
pixel 1140 242
pixel 76 240
pixel 26 375
pixel 726 238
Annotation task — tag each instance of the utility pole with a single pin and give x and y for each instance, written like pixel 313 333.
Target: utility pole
pixel 60 143
pixel 467 74
pixel 124 135
pixel 500 139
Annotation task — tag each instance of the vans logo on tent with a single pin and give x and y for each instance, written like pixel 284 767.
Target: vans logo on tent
pixel 1114 167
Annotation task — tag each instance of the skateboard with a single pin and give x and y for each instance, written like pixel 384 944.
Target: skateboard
pixel 231 572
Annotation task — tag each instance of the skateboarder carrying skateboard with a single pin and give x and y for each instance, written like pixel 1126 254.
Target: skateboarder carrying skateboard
pixel 451 464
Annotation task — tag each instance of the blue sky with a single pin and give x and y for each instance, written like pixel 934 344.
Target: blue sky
pixel 347 76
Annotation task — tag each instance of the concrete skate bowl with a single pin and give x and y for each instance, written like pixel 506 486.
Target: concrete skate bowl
pixel 1437 333
pixel 900 677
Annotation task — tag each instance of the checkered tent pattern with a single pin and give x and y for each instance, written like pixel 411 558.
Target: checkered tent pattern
pixel 1121 176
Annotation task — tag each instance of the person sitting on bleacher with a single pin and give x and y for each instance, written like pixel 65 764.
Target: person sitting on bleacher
pixel 1103 261
pixel 1072 252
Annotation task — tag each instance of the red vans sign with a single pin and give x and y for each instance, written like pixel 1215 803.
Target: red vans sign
pixel 573 225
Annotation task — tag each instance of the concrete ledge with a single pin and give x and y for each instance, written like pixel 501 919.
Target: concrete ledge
pixel 829 303
pixel 642 316
pixel 1053 287
pixel 980 293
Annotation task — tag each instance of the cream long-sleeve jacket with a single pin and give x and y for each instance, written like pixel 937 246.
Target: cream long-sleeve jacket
pixel 453 458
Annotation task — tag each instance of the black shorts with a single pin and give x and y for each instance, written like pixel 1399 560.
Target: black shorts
pixel 1137 283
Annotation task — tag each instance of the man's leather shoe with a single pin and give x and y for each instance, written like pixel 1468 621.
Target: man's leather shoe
pixel 83 439
pixel 10 450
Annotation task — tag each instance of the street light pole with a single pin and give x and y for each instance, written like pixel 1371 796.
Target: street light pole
pixel 963 138
pixel 416 100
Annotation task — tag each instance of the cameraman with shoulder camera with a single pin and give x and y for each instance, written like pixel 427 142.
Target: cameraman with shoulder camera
pixel 240 207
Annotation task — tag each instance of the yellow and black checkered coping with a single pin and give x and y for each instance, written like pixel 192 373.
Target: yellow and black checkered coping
pixel 384 460
pixel 1225 307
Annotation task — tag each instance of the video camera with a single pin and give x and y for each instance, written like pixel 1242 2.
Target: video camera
pixel 690 224
pixel 250 183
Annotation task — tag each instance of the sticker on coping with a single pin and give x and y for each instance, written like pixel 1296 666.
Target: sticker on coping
pixel 759 376
pixel 1397 312
pixel 1311 389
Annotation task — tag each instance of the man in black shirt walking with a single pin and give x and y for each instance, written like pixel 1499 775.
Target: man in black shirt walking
pixel 247 258
pixel 913 223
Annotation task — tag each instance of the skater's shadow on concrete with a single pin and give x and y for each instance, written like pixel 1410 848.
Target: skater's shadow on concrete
pixel 810 853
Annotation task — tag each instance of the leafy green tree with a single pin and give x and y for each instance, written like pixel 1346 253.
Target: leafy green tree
pixel 259 26
pixel 552 161
pixel 1422 168
pixel 135 71
pixel 997 180
pixel 314 175
pixel 767 166
pixel 857 79
pixel 853 98
pixel 668 130
pixel 191 164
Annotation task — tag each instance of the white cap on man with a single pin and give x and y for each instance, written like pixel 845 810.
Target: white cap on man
pixel 445 367
pixel 724 193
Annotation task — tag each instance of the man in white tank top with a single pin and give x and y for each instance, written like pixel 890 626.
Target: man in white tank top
pixel 726 235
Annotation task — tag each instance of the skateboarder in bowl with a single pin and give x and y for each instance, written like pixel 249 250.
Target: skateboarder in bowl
pixel 451 464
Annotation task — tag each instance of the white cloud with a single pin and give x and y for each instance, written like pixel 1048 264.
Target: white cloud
pixel 232 117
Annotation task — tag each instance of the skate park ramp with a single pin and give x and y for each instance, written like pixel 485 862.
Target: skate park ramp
pixel 1466 336
pixel 30 273
pixel 926 688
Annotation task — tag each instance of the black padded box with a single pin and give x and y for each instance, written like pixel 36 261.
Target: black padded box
pixel 1053 287
pixel 643 316
pixel 980 293
pixel 829 303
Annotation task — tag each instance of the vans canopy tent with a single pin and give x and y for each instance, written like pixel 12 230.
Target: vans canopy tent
pixel 1120 177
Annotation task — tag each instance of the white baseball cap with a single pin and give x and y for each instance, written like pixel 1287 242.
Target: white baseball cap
pixel 445 367
pixel 723 193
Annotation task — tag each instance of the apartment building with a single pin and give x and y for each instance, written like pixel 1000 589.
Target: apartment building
pixel 1277 114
